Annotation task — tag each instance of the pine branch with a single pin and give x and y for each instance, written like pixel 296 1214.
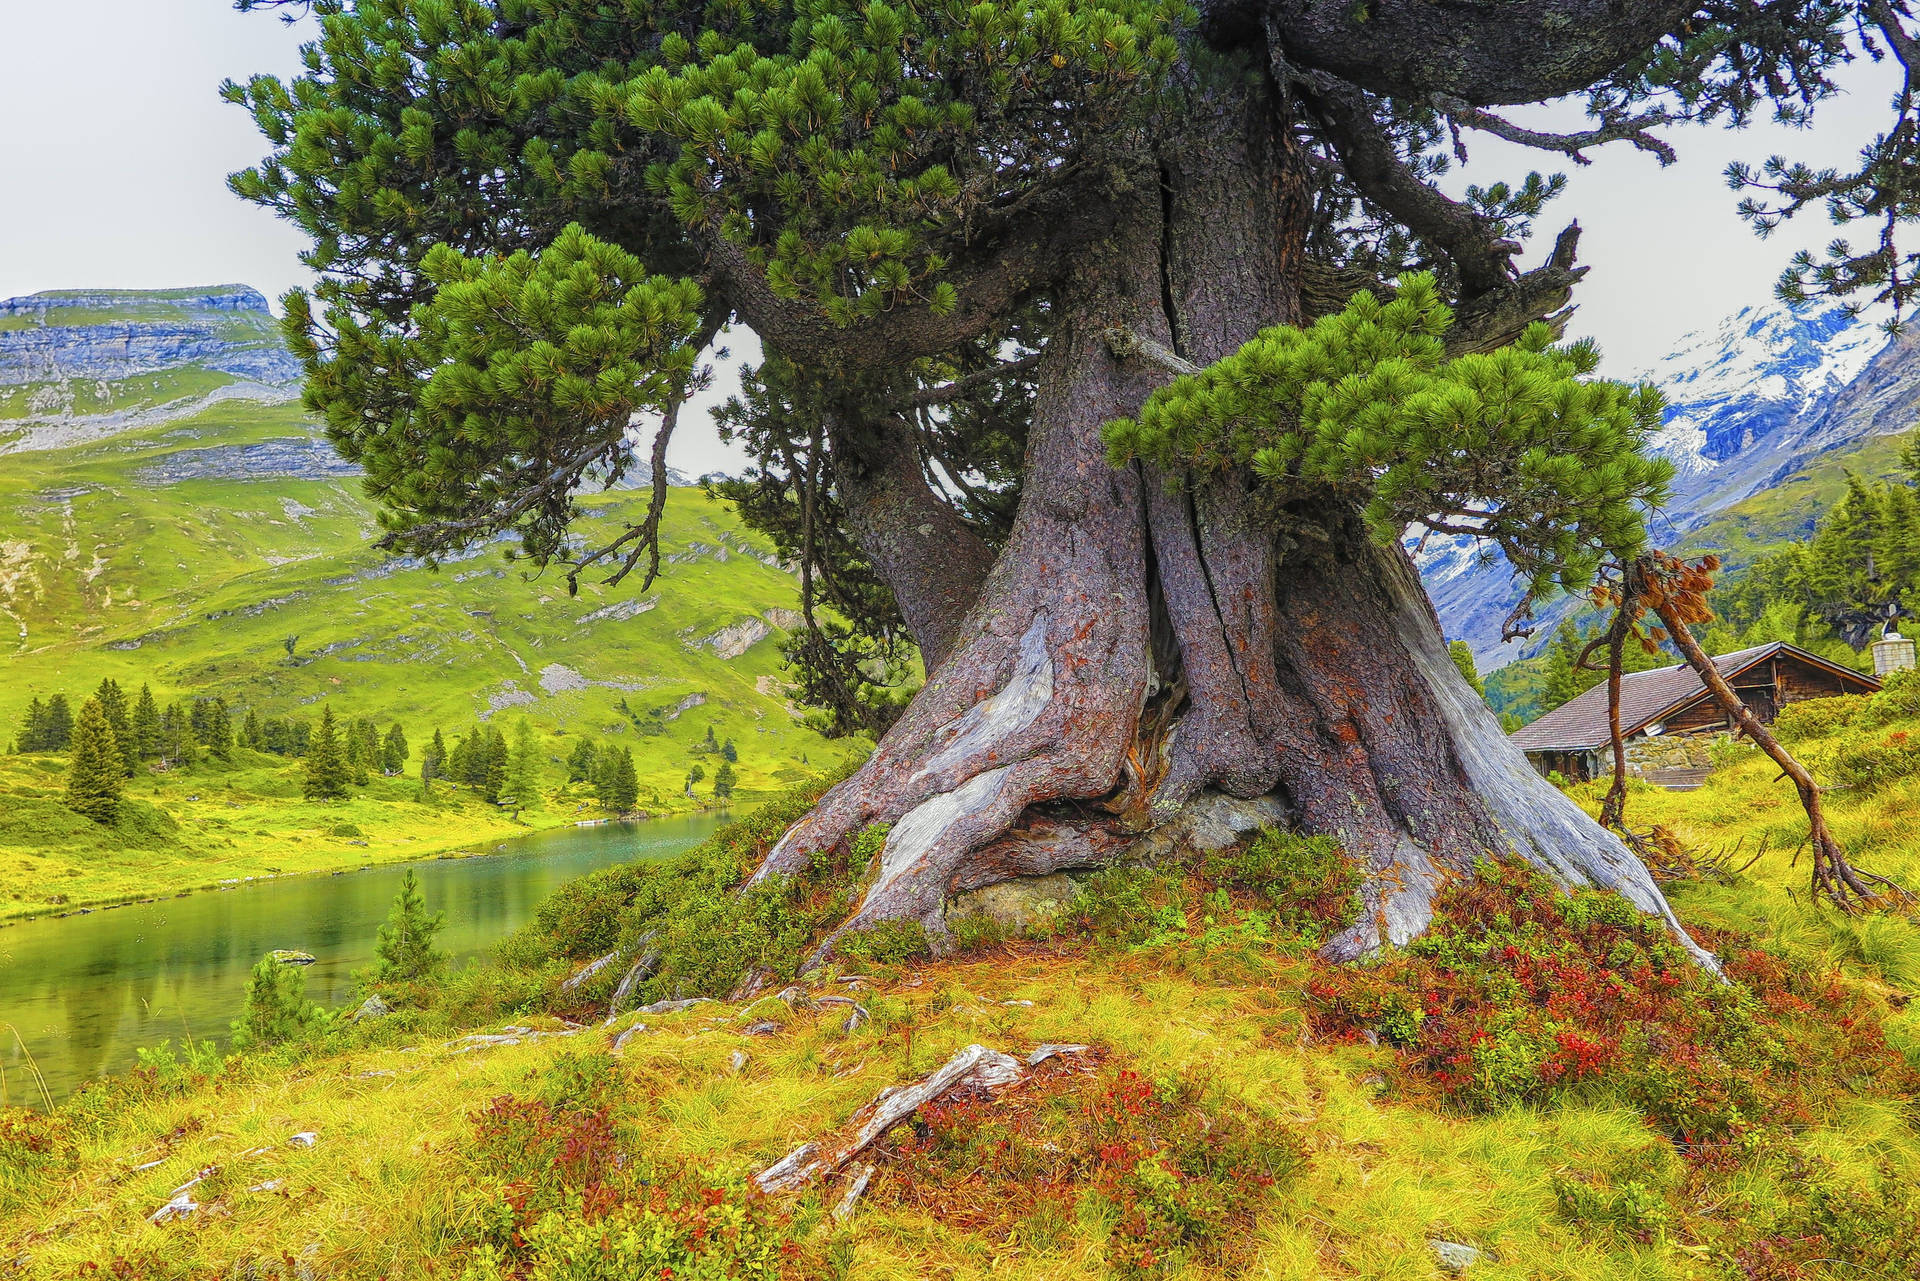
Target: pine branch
pixel 1574 145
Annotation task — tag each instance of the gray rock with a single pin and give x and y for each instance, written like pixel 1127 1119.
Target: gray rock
pixel 1022 906
pixel 373 1008
pixel 674 1007
pixel 1453 1256
pixel 765 1027
pixel 737 1061
pixel 1051 1051
pixel 620 1042
pixel 287 956
pixel 304 1139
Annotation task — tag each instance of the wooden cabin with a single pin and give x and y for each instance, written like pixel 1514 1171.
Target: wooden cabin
pixel 1573 739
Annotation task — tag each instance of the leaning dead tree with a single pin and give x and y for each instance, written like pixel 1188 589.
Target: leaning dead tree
pixel 1676 591
pixel 1111 347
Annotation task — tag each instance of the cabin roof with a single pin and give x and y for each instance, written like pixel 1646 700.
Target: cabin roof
pixel 1580 724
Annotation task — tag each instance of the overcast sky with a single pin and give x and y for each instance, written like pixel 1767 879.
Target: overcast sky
pixel 114 149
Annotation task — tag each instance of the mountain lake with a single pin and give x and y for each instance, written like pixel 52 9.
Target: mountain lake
pixel 79 994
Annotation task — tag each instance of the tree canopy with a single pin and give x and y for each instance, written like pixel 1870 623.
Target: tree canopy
pixel 530 216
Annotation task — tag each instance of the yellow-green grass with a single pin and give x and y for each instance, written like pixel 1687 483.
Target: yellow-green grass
pixel 390 1189
pixel 1747 817
pixel 239 822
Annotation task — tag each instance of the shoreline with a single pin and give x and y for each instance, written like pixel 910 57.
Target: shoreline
pixel 451 851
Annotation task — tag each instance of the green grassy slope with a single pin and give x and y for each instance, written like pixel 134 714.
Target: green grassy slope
pixel 1787 512
pixel 220 548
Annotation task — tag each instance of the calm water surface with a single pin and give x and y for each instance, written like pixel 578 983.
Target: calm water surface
pixel 84 991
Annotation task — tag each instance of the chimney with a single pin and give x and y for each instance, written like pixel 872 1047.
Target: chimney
pixel 1892 653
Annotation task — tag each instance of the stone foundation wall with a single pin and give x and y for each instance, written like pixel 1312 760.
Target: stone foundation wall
pixel 1670 751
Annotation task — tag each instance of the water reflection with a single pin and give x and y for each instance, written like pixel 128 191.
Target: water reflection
pixel 83 992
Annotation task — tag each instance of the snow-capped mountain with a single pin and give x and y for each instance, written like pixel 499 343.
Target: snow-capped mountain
pixel 1750 401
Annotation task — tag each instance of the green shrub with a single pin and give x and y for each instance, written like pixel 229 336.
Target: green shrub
pixel 886 943
pixel 345 829
pixel 1308 883
pixel 1872 765
pixel 1129 905
pixel 1817 717
pixel 1898 700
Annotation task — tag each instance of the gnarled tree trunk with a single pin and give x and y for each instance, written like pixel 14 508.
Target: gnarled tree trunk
pixel 934 562
pixel 1143 638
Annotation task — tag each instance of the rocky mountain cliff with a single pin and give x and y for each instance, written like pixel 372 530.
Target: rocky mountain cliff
pixel 1754 402
pixel 82 364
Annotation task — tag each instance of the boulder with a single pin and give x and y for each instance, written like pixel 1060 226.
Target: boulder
pixel 372 1008
pixel 287 956
pixel 1454 1258
pixel 1022 906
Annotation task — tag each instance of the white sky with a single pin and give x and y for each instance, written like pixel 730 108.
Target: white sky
pixel 114 149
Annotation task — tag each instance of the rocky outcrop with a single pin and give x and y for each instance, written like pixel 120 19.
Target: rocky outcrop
pixel 108 336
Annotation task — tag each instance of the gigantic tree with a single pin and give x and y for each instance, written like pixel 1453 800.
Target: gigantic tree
pixel 1112 345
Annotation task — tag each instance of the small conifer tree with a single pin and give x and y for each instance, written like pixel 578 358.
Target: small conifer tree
pixel 252 735
pixel 33 729
pixel 580 763
pixel 405 951
pixel 523 767
pixel 277 1008
pixel 621 792
pixel 1462 655
pixel 59 724
pixel 729 751
pixel 393 750
pixel 433 762
pixel 146 724
pixel 326 778
pixel 493 765
pixel 119 714
pixel 95 771
pixel 724 779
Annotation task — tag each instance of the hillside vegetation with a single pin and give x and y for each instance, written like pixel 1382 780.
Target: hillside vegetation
pixel 203 540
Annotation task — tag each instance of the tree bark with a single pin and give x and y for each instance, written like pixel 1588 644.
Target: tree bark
pixel 1143 638
pixel 934 562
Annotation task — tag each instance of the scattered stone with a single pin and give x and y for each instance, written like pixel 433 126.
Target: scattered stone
pixel 373 1008
pixel 1453 1256
pixel 620 1042
pixel 1021 1003
pixel 1051 1051
pixel 737 1062
pixel 304 1139
pixel 857 1018
pixel 765 1027
pixel 271 1185
pixel 842 1211
pixel 181 1203
pixel 674 1007
pixel 587 971
pixel 482 1041
pixel 794 995
pixel 179 1207
pixel 148 1166
pixel 365 1076
pixel 287 956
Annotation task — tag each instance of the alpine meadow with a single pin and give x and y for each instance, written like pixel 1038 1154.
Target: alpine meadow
pixel 1199 729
